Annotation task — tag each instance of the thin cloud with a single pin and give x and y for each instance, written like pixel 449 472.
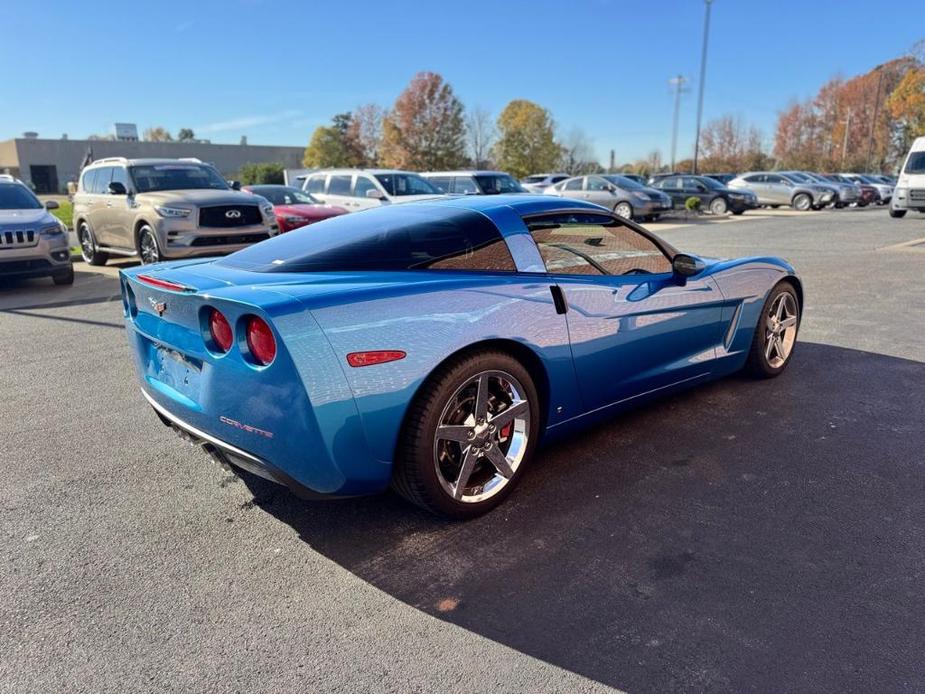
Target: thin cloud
pixel 247 122
pixel 184 26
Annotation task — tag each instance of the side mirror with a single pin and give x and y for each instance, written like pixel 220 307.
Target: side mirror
pixel 374 194
pixel 235 185
pixel 51 205
pixel 116 188
pixel 685 265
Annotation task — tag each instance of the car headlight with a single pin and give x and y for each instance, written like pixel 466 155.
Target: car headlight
pixel 173 211
pixel 296 220
pixel 267 211
pixel 54 228
pixel 900 192
pixel 639 195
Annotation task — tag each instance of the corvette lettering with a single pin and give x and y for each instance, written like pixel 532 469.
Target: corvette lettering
pixel 245 427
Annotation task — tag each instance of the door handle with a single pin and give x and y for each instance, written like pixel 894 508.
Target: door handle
pixel 558 299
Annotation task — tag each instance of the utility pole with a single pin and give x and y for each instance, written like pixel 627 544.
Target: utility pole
pixel 844 144
pixel 703 77
pixel 677 83
pixel 873 122
pixel 613 162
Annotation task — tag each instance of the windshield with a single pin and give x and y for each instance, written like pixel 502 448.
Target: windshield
pixel 406 184
pixel 493 184
pixel 534 179
pixel 283 195
pixel 870 179
pixel 798 177
pixel 155 177
pixel 624 182
pixel 14 196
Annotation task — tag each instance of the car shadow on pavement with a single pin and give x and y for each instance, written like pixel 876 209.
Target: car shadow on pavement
pixel 761 536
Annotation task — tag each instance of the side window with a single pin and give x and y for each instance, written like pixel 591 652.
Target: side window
pixel 363 185
pixel 757 178
pixel 101 180
pixel 464 185
pixel 340 184
pixel 691 183
pixel 574 184
pixel 597 183
pixel 316 183
pixel 120 175
pixel 442 183
pixel 86 181
pixel 590 244
pixel 557 179
pixel 773 179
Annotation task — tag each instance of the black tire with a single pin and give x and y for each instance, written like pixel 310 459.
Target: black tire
pixel 897 214
pixel 719 206
pixel 801 199
pixel 757 363
pixel 146 244
pixel 773 207
pixel 88 248
pixel 415 474
pixel 65 277
pixel 738 212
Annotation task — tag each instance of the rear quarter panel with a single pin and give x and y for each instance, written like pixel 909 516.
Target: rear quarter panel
pixel 432 320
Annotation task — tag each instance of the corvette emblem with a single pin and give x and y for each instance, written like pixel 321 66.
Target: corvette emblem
pixel 233 214
pixel 160 307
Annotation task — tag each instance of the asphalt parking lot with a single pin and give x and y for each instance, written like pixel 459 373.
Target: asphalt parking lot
pixel 742 537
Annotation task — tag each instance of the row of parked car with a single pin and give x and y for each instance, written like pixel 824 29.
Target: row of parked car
pixel 156 209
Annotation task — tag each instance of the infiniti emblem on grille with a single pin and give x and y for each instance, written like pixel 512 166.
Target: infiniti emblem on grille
pixel 160 307
pixel 233 214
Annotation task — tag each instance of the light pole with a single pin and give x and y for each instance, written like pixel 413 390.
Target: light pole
pixel 677 83
pixel 703 76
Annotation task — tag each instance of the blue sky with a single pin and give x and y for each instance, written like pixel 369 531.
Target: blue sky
pixel 274 70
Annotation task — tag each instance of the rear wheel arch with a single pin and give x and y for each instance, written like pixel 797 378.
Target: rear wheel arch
pixel 519 351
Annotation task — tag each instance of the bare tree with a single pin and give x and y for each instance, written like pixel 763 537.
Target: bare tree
pixel 480 135
pixel 364 134
pixel 577 154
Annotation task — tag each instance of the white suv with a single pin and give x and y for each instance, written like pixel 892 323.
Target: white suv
pixel 33 243
pixel 360 189
pixel 909 193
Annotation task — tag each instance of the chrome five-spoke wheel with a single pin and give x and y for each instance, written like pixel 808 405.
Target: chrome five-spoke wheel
pixel 780 329
pixel 482 436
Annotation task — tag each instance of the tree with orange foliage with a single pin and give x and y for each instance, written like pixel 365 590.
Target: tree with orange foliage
pixel 425 130
pixel 907 106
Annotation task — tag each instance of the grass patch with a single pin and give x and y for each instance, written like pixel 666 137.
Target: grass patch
pixel 65 213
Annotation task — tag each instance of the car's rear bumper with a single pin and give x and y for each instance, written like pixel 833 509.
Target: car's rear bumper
pixel 229 455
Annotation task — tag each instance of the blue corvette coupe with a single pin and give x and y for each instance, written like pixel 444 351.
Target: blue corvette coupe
pixel 430 346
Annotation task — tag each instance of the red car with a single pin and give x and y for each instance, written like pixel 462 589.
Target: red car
pixel 294 208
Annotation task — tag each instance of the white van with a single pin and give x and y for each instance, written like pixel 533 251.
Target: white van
pixel 361 189
pixel 910 188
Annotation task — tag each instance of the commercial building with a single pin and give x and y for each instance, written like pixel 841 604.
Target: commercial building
pixel 49 164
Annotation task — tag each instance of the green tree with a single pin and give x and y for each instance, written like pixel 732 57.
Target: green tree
pixel 332 145
pixel 266 173
pixel 425 129
pixel 186 135
pixel 526 141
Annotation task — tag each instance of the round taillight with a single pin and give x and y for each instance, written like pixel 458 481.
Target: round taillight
pixel 220 329
pixel 260 341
